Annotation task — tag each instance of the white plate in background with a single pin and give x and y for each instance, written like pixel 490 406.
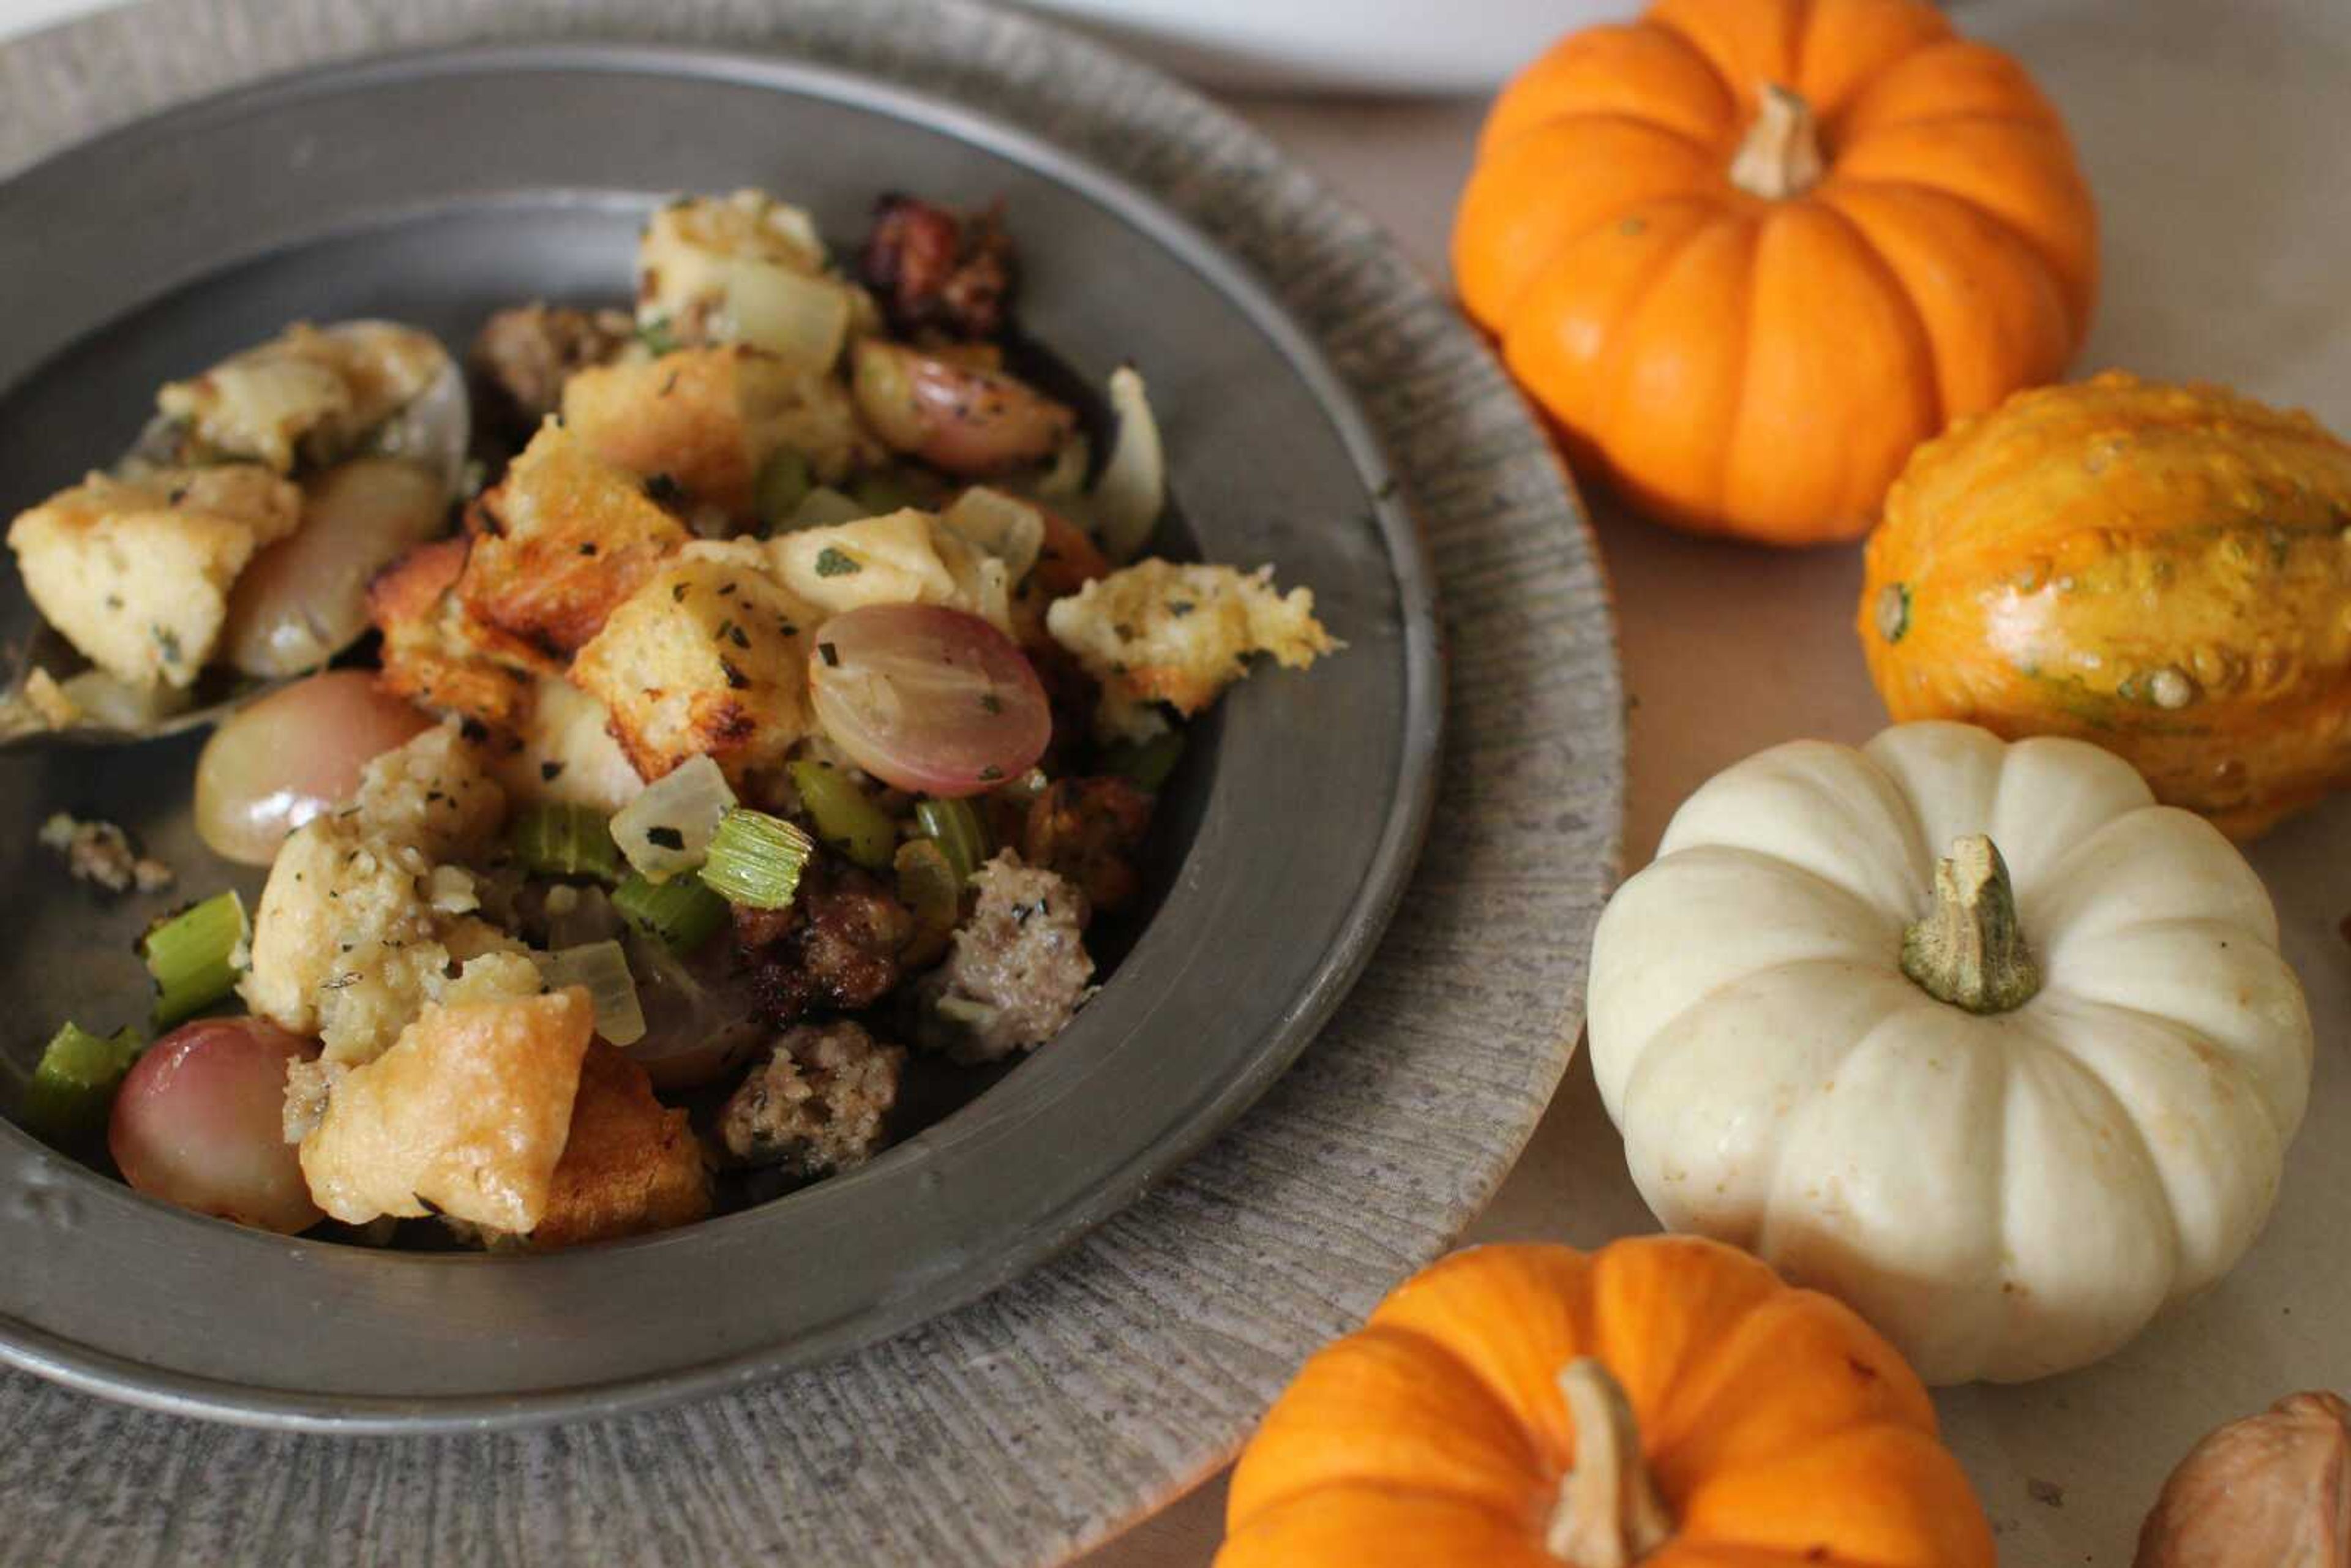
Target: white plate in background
pixel 1382 45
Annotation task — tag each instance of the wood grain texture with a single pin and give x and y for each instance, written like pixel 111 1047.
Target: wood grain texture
pixel 1035 1422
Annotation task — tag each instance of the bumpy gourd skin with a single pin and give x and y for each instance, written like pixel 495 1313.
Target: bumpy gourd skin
pixel 2164 571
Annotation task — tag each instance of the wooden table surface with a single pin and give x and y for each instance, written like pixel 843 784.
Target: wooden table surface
pixel 2212 133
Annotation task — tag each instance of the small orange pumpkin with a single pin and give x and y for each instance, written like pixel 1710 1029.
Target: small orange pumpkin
pixel 1748 252
pixel 1665 1401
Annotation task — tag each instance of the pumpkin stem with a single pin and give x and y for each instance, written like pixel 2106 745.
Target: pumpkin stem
pixel 1781 155
pixel 1969 951
pixel 1609 1514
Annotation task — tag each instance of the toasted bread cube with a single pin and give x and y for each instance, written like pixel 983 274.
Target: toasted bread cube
pixel 569 537
pixel 905 557
pixel 705 420
pixel 304 389
pixel 438 656
pixel 362 918
pixel 465 1116
pixel 1158 632
pixel 709 658
pixel 562 750
pixel 136 572
pixel 630 1164
pixel 687 256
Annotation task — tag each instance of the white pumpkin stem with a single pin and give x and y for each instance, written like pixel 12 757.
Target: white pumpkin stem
pixel 1609 1514
pixel 1971 951
pixel 1781 155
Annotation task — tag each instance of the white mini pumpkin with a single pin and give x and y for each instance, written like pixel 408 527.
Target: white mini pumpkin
pixel 2005 1193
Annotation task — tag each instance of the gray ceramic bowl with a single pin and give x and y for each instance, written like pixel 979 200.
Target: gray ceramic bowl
pixel 433 189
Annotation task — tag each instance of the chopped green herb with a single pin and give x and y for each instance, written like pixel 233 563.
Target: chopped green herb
pixel 832 562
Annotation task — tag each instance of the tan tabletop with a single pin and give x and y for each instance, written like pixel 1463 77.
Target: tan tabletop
pixel 2213 132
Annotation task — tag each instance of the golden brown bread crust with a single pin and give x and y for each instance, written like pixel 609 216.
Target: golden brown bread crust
pixel 680 417
pixel 433 653
pixel 709 658
pixel 566 536
pixel 630 1164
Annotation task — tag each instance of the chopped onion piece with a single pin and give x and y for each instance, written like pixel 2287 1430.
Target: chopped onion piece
pixel 1133 490
pixel 824 507
pixel 799 319
pixel 1010 529
pixel 667 830
pixel 116 704
pixel 604 969
pixel 1066 478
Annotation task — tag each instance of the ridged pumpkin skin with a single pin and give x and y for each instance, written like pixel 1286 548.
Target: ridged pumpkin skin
pixel 1741 364
pixel 2162 570
pixel 1779 1427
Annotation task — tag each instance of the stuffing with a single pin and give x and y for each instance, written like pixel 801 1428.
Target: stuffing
pixel 709 658
pixel 816 1104
pixel 136 572
pixel 630 1164
pixel 837 944
pixel 937 272
pixel 1091 832
pixel 465 1114
pixel 522 356
pixel 906 557
pixel 567 536
pixel 305 393
pixel 1016 970
pixel 688 254
pixel 561 750
pixel 431 793
pixel 360 922
pixel 700 423
pixel 1160 632
pixel 748 269
pixel 102 854
pixel 438 656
